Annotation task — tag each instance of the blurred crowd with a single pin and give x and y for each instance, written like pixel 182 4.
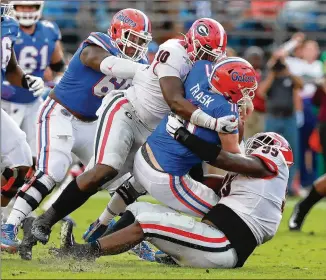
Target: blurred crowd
pixel 291 98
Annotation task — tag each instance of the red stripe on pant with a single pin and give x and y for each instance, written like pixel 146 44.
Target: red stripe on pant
pixel 47 148
pixel 185 233
pixel 40 129
pixel 108 128
pixel 190 192
pixel 187 204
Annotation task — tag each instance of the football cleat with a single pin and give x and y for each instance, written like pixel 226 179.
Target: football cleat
pixel 9 241
pixel 144 251
pixel 68 218
pixel 26 246
pixel 164 258
pixel 69 248
pixel 297 218
pixel 41 230
pixel 96 230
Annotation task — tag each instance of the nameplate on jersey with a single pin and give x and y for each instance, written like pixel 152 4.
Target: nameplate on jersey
pixel 200 96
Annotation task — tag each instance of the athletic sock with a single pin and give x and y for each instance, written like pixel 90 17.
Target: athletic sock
pixel 21 208
pixel 19 212
pixel 127 219
pixel 312 198
pixel 70 199
pixel 113 209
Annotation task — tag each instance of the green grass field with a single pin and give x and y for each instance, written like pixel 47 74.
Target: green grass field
pixel 289 255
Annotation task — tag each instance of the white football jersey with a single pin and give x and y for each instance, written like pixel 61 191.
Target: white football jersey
pixel 145 93
pixel 259 202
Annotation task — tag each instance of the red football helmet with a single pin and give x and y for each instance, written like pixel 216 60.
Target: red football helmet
pixel 131 30
pixel 206 39
pixel 235 78
pixel 270 139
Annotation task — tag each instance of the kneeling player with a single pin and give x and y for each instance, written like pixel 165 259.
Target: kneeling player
pixel 248 214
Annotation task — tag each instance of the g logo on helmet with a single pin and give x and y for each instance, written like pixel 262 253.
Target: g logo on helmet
pixel 236 77
pixel 203 30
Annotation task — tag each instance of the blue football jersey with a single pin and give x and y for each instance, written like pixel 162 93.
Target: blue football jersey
pixel 34 53
pixel 81 88
pixel 173 157
pixel 9 33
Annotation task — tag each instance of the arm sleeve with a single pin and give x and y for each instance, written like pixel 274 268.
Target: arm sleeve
pixel 204 150
pixel 120 67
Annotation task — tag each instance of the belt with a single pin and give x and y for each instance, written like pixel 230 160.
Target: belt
pixel 147 158
pixel 67 112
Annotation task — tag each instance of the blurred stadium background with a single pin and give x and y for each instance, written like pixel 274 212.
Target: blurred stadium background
pixel 255 30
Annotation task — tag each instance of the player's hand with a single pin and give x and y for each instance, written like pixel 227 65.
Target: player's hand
pixel 246 107
pixel 226 124
pixel 35 84
pixel 173 124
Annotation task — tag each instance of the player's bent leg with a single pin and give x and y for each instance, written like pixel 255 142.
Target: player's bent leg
pixel 114 139
pixel 181 193
pixel 55 142
pixel 188 242
pixel 125 194
pixel 301 209
pixel 125 234
pixel 11 180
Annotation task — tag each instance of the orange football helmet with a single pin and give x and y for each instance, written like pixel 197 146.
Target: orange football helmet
pixel 131 30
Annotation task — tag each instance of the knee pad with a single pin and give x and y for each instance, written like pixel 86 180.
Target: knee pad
pixel 130 191
pixel 42 183
pixel 14 181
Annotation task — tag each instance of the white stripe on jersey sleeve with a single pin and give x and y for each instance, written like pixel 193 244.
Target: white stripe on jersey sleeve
pixel 97 42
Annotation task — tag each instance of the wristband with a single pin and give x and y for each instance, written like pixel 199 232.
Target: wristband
pixel 24 82
pixel 202 119
pixel 204 150
pixel 59 66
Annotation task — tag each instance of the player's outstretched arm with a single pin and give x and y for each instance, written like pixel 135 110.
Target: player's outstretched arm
pixel 101 60
pixel 215 156
pixel 173 92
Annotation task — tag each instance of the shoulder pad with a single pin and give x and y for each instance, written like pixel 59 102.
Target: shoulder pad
pixel 53 28
pixel 271 156
pixel 10 22
pixel 102 40
pixel 176 56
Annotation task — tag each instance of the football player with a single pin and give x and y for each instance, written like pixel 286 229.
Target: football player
pixel 37 47
pixel 164 175
pixel 16 158
pixel 247 214
pixel 66 122
pixel 302 208
pixel 127 118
